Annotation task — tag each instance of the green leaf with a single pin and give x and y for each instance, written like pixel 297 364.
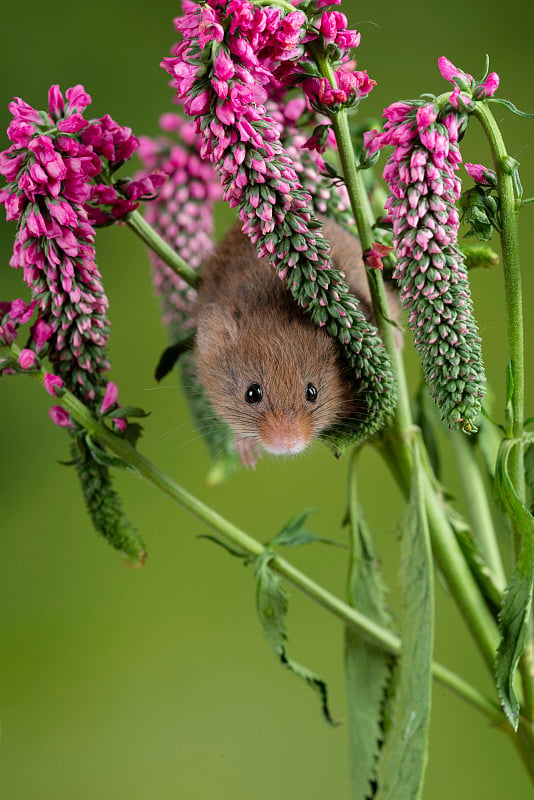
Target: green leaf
pixel 517 603
pixel 479 569
pixel 368 669
pixel 510 106
pixel 105 458
pixel 509 407
pixel 272 605
pixel 424 416
pixel 529 472
pixel 171 354
pixel 293 534
pixel 127 411
pixel 403 763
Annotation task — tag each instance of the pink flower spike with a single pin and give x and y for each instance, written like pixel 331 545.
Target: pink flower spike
pixel 60 417
pixel 52 383
pixel 111 397
pixel 27 358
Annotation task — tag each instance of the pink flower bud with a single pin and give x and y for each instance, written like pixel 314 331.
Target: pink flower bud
pixel 481 174
pixel 111 397
pixel 448 70
pixel 425 115
pixel 488 88
pixel 52 383
pixel 60 417
pixel 41 334
pixel 56 104
pixel 373 257
pixel 27 358
pixel 120 423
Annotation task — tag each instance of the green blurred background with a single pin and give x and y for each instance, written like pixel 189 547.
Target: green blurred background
pixel 157 683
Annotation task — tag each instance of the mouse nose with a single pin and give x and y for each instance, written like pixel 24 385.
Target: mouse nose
pixel 284 444
pixel 284 436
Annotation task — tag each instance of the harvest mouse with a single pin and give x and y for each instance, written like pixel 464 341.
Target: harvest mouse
pixel 276 378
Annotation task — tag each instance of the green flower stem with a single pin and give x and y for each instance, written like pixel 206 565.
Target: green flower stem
pixel 513 295
pixel 364 219
pixel 476 499
pixel 153 240
pixel 513 298
pixel 524 742
pixel 251 547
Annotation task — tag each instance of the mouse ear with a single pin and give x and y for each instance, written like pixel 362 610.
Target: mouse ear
pixel 215 329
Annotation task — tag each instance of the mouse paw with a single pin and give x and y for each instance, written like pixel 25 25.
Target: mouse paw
pixel 248 450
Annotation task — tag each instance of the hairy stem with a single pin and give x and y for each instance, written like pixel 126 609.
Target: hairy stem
pixel 477 503
pixel 138 224
pixel 513 298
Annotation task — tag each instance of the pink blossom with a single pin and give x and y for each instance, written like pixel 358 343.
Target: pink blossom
pixel 109 139
pixel 60 417
pixel 488 88
pixel 111 397
pixel 42 332
pixel 425 115
pixel 450 72
pixel 27 358
pixel 120 423
pixel 481 174
pixel 373 257
pixel 52 383
pixel 21 312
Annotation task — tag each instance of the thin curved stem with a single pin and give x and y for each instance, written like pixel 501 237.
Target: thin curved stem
pixel 138 224
pixel 250 547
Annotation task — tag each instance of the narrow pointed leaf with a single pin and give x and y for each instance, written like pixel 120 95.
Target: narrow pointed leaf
pixel 368 669
pixel 294 534
pixel 510 106
pixel 171 354
pixel 272 605
pixel 403 764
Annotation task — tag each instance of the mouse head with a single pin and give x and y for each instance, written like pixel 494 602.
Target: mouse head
pixel 279 386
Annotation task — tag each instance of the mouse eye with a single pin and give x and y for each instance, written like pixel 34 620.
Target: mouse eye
pixel 254 394
pixel 311 393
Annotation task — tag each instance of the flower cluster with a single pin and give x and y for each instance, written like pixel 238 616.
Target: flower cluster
pixel 54 157
pixel 50 169
pixel 182 213
pixel 183 216
pixel 424 187
pixel 326 199
pixel 230 51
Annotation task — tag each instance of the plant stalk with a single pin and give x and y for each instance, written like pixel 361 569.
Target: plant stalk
pixel 138 224
pixel 250 547
pixel 476 499
pixel 513 298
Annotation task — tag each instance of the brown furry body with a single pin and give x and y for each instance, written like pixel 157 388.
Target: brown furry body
pixel 251 332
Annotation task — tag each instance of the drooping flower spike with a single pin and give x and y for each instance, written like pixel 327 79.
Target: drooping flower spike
pixel 244 47
pixel 49 167
pixel 435 291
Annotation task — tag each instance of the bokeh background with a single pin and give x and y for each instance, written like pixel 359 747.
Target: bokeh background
pixel 157 683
